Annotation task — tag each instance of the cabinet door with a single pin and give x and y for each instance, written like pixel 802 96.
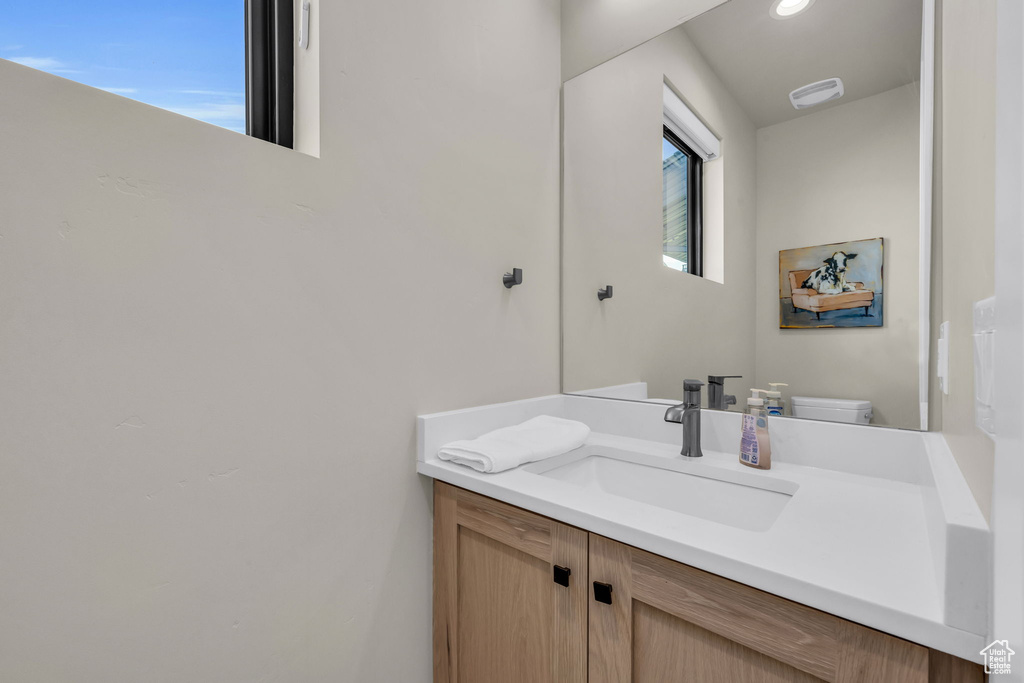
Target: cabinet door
pixel 499 614
pixel 670 622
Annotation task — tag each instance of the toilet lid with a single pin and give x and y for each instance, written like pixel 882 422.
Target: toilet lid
pixel 834 403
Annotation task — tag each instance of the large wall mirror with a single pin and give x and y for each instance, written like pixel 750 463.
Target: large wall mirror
pixel 754 187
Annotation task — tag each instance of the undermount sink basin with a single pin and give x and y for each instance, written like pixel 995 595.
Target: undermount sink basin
pixel 739 499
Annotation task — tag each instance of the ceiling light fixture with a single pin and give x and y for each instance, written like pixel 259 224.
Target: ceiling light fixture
pixel 786 9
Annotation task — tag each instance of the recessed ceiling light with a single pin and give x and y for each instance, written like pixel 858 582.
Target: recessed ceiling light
pixel 784 9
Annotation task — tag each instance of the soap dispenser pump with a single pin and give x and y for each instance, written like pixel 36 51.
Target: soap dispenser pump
pixel 755 401
pixel 774 404
pixel 755 446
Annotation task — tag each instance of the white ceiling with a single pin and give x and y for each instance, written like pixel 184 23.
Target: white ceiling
pixel 873 45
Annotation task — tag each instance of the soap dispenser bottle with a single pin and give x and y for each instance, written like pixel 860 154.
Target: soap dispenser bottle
pixel 755 445
pixel 774 404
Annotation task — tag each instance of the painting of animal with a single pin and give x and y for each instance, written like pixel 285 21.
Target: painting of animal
pixel 831 285
pixel 831 277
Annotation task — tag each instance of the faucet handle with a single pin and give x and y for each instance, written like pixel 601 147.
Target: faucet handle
pixel 691 391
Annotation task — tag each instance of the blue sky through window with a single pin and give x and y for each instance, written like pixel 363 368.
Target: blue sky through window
pixel 185 56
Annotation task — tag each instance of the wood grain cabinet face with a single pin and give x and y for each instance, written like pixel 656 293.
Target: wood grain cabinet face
pixel 499 617
pixel 671 622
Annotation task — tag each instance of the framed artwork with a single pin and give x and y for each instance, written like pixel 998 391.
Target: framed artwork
pixel 832 285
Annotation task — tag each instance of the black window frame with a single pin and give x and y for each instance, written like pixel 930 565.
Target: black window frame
pixel 694 204
pixel 270 70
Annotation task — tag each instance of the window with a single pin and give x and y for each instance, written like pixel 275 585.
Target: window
pixel 681 171
pixel 269 70
pixel 687 143
pixel 198 59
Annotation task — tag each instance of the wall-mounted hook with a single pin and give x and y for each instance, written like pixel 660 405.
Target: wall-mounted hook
pixel 514 278
pixel 605 293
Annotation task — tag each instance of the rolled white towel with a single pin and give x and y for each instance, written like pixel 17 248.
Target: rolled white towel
pixel 536 439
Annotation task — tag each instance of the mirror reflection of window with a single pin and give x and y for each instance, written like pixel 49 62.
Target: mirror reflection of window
pixel 681 172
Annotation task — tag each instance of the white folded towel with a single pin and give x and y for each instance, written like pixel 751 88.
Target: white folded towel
pixel 542 437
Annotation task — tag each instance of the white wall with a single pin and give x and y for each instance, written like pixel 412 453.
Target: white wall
pixel 966 219
pixel 213 349
pixel 842 174
pixel 1008 488
pixel 594 31
pixel 661 326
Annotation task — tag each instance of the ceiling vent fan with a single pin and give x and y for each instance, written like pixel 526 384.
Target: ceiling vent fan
pixel 817 93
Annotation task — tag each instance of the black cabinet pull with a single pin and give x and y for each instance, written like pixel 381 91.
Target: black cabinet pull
pixel 603 592
pixel 562 575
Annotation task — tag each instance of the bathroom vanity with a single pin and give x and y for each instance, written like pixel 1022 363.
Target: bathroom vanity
pixel 622 561
pixel 861 555
pixel 580 607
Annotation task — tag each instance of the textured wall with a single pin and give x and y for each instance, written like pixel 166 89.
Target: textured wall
pixel 213 349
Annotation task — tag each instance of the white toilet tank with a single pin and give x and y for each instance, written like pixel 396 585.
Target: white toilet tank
pixel 832 409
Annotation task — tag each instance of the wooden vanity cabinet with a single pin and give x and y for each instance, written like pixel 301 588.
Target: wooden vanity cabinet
pixel 671 622
pixel 628 616
pixel 499 615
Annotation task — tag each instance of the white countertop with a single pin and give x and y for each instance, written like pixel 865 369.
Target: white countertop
pixel 861 544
